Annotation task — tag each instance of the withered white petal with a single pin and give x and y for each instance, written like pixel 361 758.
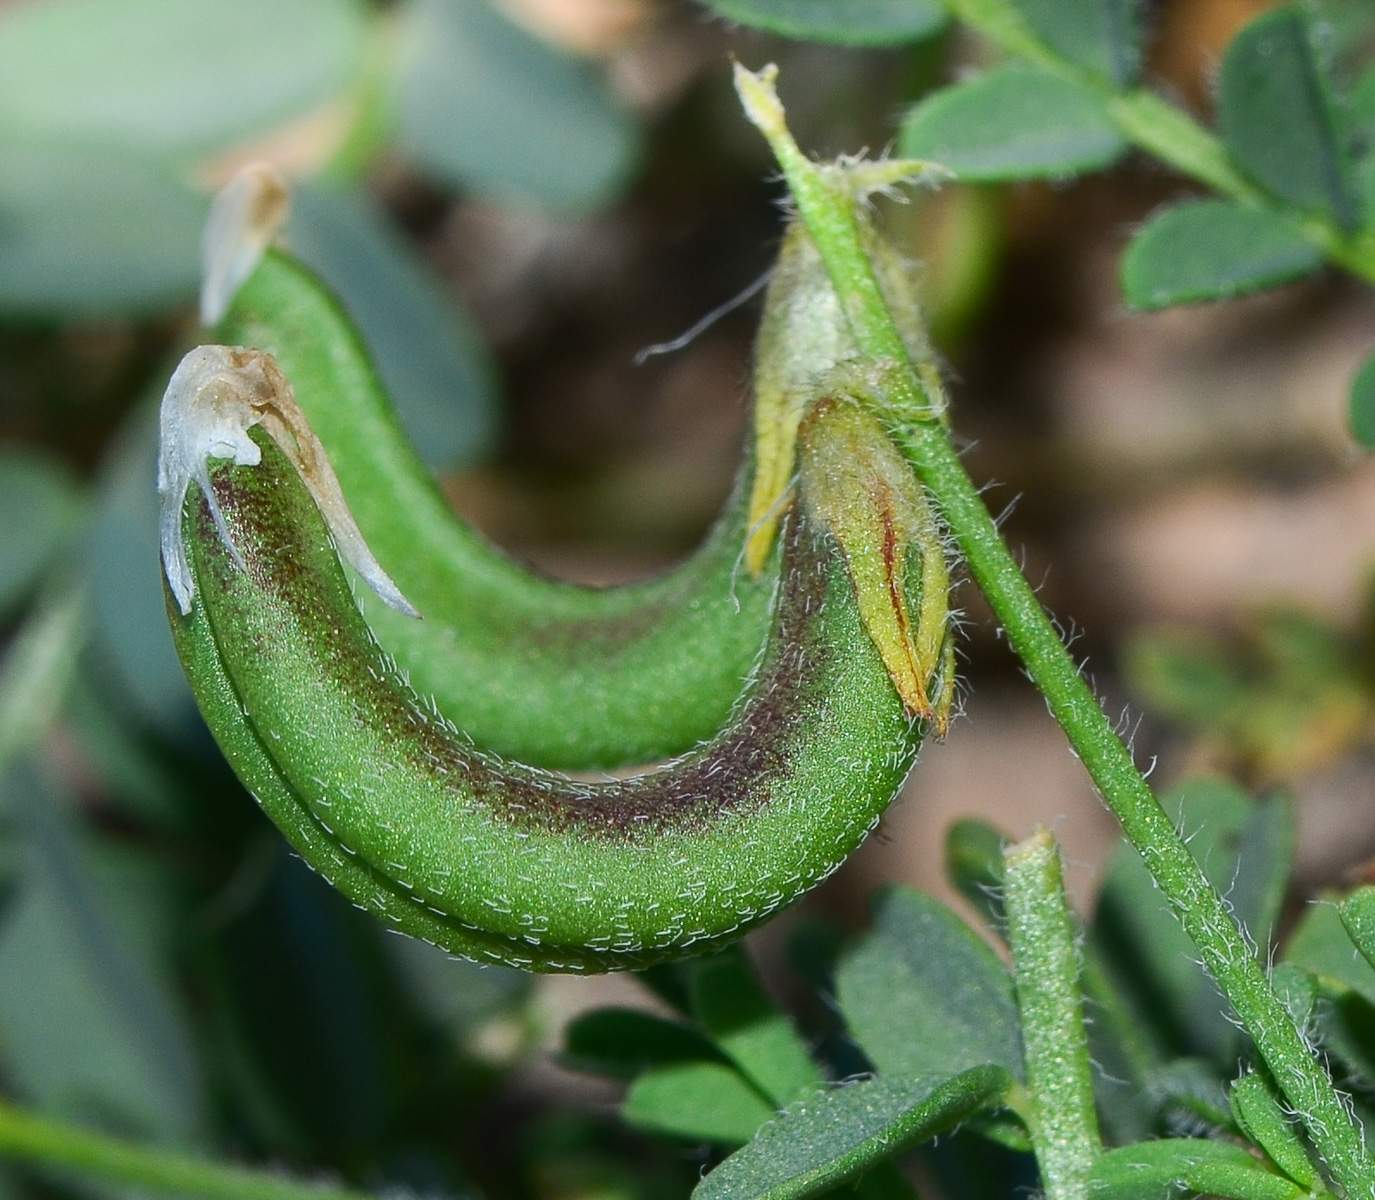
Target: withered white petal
pixel 245 217
pixel 215 396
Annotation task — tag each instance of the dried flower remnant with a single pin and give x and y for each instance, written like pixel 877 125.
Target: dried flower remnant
pixel 215 396
pixel 245 218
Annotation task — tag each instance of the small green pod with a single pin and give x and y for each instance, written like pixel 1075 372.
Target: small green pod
pixel 499 861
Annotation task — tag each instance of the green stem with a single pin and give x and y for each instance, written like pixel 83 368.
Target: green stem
pixel 1064 1127
pixel 1204 916
pixel 50 1143
pixel 1160 128
pixel 830 219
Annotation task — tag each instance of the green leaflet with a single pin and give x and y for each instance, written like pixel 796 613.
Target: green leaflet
pixel 625 1042
pixel 832 1135
pixel 1279 118
pixel 1360 413
pixel 1171 1165
pixel 841 22
pixel 503 862
pixel 1212 250
pixel 1013 122
pixel 699 1101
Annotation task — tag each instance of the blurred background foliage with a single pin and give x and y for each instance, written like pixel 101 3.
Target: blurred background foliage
pixel 513 198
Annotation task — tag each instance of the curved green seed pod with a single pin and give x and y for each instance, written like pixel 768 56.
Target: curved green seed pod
pixel 566 676
pixel 503 862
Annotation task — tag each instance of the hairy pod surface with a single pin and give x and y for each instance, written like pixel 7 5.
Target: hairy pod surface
pixel 565 676
pixel 504 862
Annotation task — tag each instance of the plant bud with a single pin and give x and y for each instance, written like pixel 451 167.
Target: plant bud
pixel 856 483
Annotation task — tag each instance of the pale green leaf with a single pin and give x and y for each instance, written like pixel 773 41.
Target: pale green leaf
pixel 454 992
pixel 37 669
pixel 1362 122
pixel 426 351
pixel 85 231
pixel 1014 122
pixel 1278 117
pixel 88 1026
pixel 486 105
pixel 1357 912
pixel 625 1042
pixel 699 1101
pixel 925 996
pixel 1102 35
pixel 1165 1168
pixel 732 1007
pixel 171 77
pixel 837 1133
pixel 1245 849
pixel 974 865
pixel 133 640
pixel 40 506
pixel 1321 944
pixel 1257 1107
pixel 1360 412
pixel 1212 250
pixel 843 22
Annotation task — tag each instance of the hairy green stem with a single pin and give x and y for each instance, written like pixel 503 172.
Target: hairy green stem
pixel 50 1143
pixel 1064 1126
pixel 1225 952
pixel 1229 959
pixel 1155 125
